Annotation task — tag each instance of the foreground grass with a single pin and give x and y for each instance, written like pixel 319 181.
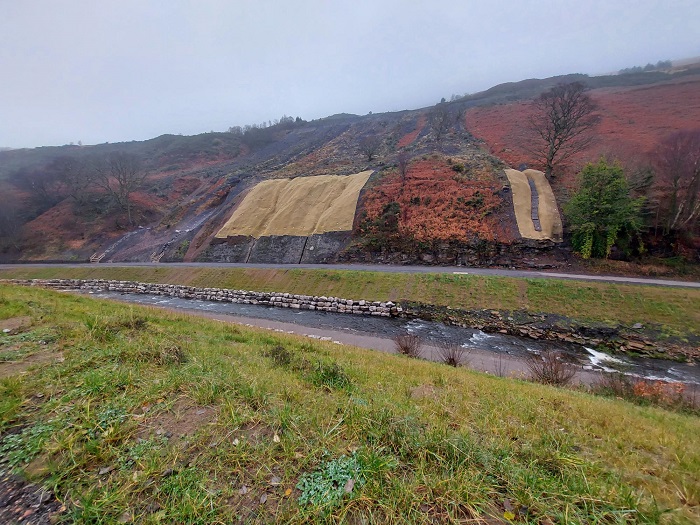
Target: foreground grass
pixel 676 310
pixel 132 414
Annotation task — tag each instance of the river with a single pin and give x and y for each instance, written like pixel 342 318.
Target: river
pixel 494 353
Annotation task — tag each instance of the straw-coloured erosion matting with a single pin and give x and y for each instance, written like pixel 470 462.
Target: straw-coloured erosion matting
pixel 300 206
pixel 535 205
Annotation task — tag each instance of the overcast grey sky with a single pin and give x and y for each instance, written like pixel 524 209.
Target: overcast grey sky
pixel 115 70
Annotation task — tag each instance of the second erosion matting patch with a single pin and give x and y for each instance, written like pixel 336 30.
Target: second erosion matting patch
pixel 547 225
pixel 302 206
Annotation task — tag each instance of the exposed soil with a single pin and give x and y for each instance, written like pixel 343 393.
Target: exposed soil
pixel 181 420
pixel 15 325
pixel 12 368
pixel 409 138
pixel 25 503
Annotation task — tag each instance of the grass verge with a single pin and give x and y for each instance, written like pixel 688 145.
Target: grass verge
pixel 675 310
pixel 136 415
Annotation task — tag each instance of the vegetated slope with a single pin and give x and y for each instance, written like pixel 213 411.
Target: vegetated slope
pixel 164 153
pixel 131 414
pixel 181 207
pixel 439 200
pixel 633 121
pixel 195 183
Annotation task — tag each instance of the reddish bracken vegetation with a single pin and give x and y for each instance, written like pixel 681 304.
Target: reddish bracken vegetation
pixel 409 138
pixel 435 202
pixel 633 121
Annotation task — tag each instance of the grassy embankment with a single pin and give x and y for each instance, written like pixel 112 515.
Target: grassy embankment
pixel 676 310
pixel 134 414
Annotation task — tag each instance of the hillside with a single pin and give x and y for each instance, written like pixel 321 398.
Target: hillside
pixel 634 120
pixel 438 193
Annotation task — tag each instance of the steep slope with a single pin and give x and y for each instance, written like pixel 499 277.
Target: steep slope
pixel 633 121
pixel 427 200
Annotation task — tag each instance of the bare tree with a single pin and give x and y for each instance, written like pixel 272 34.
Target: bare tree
pixel 77 177
pixel 677 161
pixel 561 125
pixel 42 185
pixel 10 225
pixel 121 175
pixel 369 146
pixel 441 119
pixel 402 163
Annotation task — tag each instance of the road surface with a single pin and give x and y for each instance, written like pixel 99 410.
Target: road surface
pixel 457 270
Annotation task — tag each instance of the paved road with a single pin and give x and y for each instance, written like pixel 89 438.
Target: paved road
pixel 460 270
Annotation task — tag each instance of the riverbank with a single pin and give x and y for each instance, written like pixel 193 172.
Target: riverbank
pixel 500 354
pixel 675 310
pixel 126 413
pixel 643 339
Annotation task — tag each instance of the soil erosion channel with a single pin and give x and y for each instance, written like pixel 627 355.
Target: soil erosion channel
pixel 493 353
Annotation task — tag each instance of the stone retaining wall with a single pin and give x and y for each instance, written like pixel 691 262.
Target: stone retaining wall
pixel 281 300
pixel 542 326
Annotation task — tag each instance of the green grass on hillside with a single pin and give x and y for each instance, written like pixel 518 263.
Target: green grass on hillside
pixel 133 414
pixel 676 309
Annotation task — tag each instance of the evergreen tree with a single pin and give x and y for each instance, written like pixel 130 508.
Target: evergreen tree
pixel 602 213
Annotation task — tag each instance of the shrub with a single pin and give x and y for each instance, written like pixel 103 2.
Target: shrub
pixel 550 368
pixel 409 345
pixel 331 376
pixel 453 354
pixel 646 391
pixel 280 355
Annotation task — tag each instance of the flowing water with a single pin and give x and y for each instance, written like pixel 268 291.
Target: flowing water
pixel 378 332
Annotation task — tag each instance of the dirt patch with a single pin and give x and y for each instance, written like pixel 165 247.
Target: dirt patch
pixel 14 325
pixel 424 391
pixel 22 502
pixel 301 206
pixel 255 503
pixel 12 368
pixel 409 138
pixel 183 419
pixel 255 433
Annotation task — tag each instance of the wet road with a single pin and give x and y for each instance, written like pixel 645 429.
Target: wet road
pixel 459 270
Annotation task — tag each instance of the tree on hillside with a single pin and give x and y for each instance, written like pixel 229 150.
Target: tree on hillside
pixel 42 185
pixel 561 125
pixel 121 174
pixel 441 119
pixel 677 188
pixel 402 164
pixel 76 176
pixel 369 146
pixel 10 225
pixel 602 213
